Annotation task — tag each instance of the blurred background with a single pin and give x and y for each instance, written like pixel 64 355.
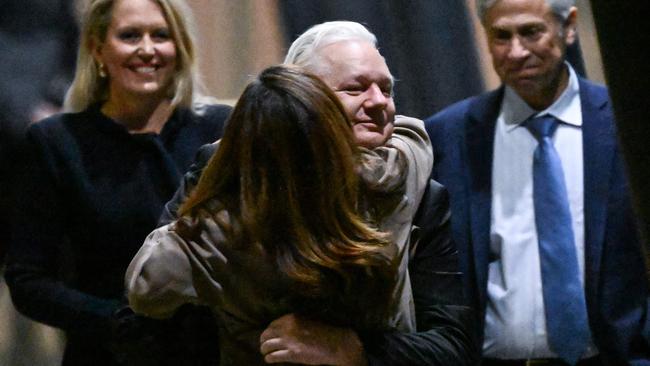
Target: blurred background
pixel 435 49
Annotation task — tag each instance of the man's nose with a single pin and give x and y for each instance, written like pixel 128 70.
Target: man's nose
pixel 517 49
pixel 375 97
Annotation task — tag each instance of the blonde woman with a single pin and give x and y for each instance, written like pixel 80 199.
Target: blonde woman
pixel 100 173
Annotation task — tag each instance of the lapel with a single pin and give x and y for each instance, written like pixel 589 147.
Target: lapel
pixel 479 145
pixel 599 141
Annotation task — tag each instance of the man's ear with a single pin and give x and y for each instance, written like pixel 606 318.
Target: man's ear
pixel 570 26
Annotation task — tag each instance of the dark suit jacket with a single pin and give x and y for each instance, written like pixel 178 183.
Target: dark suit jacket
pixel 463 138
pixel 445 324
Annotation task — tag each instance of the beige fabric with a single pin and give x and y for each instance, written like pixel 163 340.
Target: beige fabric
pixel 241 287
pixel 409 143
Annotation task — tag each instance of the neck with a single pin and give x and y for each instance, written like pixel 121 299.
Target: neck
pixel 139 116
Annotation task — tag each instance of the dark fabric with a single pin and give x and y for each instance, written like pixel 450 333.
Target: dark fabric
pixel 593 361
pixel 615 287
pixel 428 45
pixel 445 324
pixel 628 75
pixel 90 193
pixel 38 41
pixel 189 181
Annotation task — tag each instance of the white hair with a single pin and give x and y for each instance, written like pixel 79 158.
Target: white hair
pixel 304 50
pixel 561 8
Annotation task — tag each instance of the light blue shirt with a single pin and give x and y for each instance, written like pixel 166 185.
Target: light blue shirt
pixel 515 326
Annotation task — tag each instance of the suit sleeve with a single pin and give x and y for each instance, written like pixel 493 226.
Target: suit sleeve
pixel 189 181
pixel 446 326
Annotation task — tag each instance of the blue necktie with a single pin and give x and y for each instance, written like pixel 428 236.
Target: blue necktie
pixel 564 301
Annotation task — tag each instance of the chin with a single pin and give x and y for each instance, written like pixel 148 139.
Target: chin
pixel 145 90
pixel 372 142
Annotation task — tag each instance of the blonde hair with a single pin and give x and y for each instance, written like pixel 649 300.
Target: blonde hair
pixel 88 88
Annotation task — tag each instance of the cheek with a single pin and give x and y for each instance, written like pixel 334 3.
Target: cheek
pixel 169 53
pixel 388 130
pixel 499 55
pixel 350 105
pixel 390 110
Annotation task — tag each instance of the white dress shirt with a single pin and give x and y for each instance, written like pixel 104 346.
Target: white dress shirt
pixel 515 322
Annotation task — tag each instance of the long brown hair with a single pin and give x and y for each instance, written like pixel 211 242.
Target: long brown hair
pixel 285 173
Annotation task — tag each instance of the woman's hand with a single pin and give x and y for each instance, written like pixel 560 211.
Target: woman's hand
pixel 294 339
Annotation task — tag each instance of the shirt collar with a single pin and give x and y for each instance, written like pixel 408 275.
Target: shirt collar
pixel 566 108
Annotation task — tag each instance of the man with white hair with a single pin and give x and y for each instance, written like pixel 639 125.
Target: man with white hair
pixel 433 326
pixel 542 212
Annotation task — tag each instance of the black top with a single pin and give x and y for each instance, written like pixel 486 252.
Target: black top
pixel 93 191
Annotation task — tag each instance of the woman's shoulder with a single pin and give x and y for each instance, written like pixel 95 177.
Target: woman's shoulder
pixel 206 120
pixel 208 113
pixel 61 126
pixel 212 110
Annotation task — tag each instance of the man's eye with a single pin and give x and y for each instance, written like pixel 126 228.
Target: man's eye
pixel 388 93
pixel 501 35
pixel 531 32
pixel 351 91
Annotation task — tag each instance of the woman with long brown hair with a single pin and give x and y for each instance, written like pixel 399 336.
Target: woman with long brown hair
pixel 273 225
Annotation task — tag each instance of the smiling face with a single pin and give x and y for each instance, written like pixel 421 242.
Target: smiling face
pixel 360 78
pixel 138 51
pixel 528 46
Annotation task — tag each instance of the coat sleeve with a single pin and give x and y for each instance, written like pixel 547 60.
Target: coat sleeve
pixel 169 270
pixel 446 326
pixel 159 278
pixel 189 181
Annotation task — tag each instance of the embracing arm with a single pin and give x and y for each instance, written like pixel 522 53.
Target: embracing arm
pixel 159 278
pixel 170 271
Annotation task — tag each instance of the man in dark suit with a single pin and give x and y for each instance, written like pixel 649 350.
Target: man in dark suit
pixel 540 205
